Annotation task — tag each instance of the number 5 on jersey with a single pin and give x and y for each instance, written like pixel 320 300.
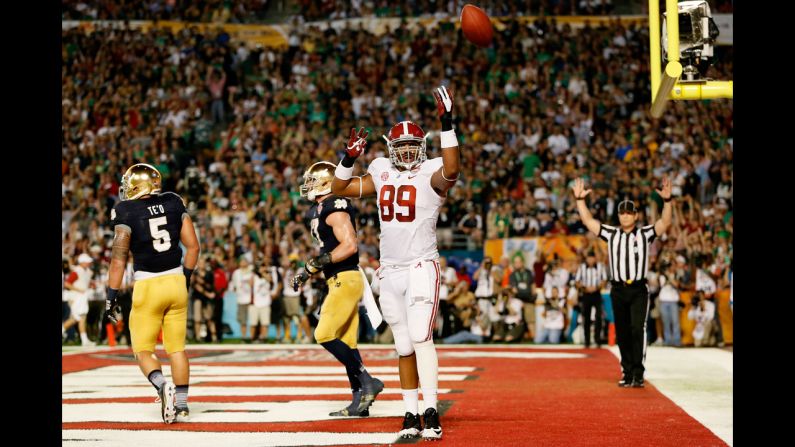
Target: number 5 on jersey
pixel 405 196
pixel 161 238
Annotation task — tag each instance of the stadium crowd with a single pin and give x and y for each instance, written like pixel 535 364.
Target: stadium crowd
pixel 232 127
pixel 254 11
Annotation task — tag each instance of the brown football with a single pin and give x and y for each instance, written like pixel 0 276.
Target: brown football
pixel 476 26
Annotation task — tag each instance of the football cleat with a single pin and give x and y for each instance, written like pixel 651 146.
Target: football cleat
pixel 433 429
pixel 370 390
pixel 353 408
pixel 168 395
pixel 412 427
pixel 183 413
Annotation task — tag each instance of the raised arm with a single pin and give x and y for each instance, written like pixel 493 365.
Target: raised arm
pixel 444 179
pixel 344 184
pixel 588 220
pixel 662 224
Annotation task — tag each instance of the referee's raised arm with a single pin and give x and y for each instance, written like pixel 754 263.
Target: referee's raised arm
pixel 585 215
pixel 664 222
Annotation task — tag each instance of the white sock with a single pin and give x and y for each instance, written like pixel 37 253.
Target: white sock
pixel 84 338
pixel 411 401
pixel 428 369
pixel 429 397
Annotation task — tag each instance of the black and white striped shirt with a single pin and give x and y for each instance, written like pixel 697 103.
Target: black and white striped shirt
pixel 628 252
pixel 591 276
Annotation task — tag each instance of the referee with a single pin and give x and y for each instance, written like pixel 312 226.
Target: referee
pixel 628 254
pixel 590 277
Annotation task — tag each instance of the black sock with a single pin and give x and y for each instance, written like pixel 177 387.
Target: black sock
pixel 355 383
pixel 156 379
pixel 362 369
pixel 348 358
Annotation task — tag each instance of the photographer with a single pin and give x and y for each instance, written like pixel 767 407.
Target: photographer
pixel 522 282
pixel 474 318
pixel 703 313
pixel 706 286
pixel 203 299
pixel 508 325
pixel 552 319
pixel 485 275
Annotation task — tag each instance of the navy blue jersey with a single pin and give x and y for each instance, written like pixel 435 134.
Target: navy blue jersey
pixel 155 224
pixel 323 233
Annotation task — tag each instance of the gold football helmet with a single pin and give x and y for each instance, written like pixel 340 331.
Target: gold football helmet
pixel 317 180
pixel 139 180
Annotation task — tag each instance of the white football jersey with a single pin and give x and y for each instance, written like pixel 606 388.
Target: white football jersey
pixel 408 209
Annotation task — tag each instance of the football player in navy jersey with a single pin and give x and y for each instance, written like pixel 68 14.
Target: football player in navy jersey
pixel 331 222
pixel 151 224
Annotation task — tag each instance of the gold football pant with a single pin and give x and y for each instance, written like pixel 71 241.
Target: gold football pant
pixel 339 316
pixel 160 302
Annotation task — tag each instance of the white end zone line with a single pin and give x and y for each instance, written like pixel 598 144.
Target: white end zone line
pixel 157 438
pixel 699 380
pixel 226 412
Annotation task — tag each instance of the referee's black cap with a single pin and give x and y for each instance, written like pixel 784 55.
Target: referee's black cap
pixel 627 206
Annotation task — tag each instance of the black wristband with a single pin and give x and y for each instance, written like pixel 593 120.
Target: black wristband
pixel 111 294
pixel 347 160
pixel 580 198
pixel 324 259
pixel 187 272
pixel 668 199
pixel 447 123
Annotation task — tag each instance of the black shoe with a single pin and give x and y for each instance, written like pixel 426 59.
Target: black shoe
pixel 637 382
pixel 370 390
pixel 625 382
pixel 433 429
pixel 411 426
pixel 353 408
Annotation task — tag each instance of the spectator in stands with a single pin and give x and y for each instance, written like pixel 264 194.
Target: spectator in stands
pixel 471 225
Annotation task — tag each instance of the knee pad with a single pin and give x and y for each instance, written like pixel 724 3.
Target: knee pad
pixel 322 335
pixel 403 344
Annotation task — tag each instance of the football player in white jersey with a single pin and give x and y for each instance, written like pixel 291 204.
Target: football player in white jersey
pixel 410 190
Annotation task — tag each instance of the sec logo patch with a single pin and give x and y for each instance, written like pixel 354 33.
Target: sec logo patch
pixel 384 176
